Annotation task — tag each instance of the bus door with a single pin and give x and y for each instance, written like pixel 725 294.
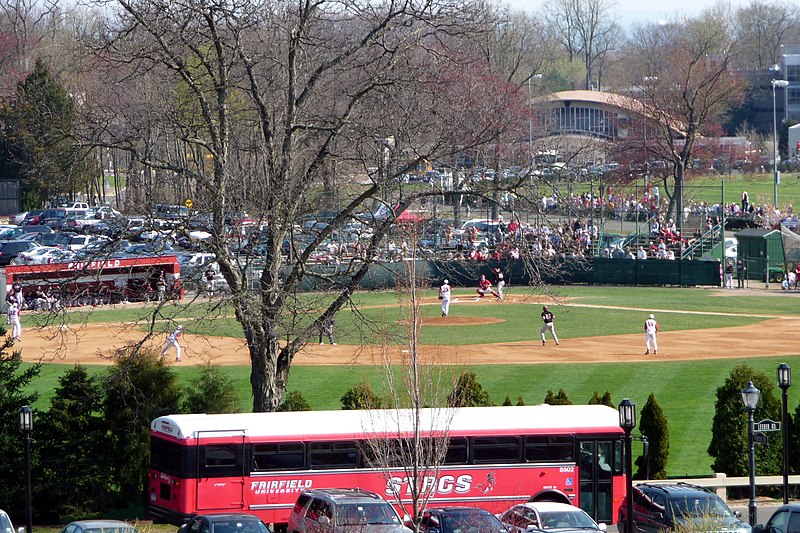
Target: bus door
pixel 596 462
pixel 221 472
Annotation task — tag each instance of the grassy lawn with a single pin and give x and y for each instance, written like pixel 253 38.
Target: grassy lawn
pixel 686 390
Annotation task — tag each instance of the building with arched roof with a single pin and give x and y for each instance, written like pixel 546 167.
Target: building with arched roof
pixel 602 115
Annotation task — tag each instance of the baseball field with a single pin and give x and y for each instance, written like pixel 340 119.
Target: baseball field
pixel 703 334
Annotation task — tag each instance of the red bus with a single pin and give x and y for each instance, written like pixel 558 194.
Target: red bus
pixel 497 456
pixel 114 279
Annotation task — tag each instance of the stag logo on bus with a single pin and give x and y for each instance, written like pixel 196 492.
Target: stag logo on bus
pixel 111 263
pixel 283 486
pixel 444 485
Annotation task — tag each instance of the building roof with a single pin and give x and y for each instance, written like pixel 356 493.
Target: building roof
pixel 755 232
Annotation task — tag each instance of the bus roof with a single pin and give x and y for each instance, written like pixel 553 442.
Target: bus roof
pixel 548 419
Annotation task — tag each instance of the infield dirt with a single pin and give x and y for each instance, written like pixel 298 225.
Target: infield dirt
pixel 92 343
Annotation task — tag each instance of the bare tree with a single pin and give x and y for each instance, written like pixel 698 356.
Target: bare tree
pixel 762 28
pixel 254 105
pixel 686 82
pixel 416 424
pixel 588 32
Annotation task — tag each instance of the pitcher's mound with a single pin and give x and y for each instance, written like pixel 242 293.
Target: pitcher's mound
pixel 459 320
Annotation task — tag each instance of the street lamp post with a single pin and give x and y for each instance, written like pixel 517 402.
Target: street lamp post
pixel 775 174
pixel 627 421
pixel 750 397
pixel 26 426
pixel 784 382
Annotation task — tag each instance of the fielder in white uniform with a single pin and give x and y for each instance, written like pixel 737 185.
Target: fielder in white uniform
pixel 444 296
pixel 13 320
pixel 650 330
pixel 172 341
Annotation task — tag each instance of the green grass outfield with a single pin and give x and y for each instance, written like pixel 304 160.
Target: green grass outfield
pixel 686 390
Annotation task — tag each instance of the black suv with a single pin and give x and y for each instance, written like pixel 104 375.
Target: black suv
pixel 343 511
pixel 668 506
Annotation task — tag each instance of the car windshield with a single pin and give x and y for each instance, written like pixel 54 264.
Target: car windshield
pixel 698 507
pixel 471 521
pixel 366 513
pixel 239 526
pixel 566 519
pixel 109 530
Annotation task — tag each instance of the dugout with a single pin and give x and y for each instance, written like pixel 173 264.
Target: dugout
pixel 756 246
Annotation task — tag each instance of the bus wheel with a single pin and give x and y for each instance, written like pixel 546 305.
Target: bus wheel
pixel 280 528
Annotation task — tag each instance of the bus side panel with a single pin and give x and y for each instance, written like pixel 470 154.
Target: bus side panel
pixel 220 494
pixel 619 494
pixel 492 487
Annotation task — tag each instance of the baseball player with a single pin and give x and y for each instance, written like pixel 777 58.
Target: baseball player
pixel 484 286
pixel 499 281
pixel 173 340
pixel 650 330
pixel 547 318
pixel 444 296
pixel 326 330
pixel 13 319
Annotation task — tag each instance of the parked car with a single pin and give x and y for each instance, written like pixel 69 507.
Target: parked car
pixel 98 526
pixel 548 516
pixel 11 249
pixel 224 523
pixel 54 217
pixel 5 523
pixel 343 510
pixel 59 239
pixel 659 507
pixel 16 233
pixel 75 205
pixel 785 519
pixel 32 217
pixel 18 218
pixel 460 520
pixel 32 256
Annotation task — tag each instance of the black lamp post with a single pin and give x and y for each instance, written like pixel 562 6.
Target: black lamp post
pixel 750 397
pixel 784 382
pixel 627 421
pixel 26 426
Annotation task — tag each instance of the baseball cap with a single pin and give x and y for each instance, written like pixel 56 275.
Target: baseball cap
pixel 544 308
pixel 446 281
pixel 652 316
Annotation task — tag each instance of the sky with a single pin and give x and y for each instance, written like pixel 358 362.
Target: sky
pixel 632 12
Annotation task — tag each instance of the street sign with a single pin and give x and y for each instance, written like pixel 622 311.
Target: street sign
pixel 759 438
pixel 767 425
pixel 188 203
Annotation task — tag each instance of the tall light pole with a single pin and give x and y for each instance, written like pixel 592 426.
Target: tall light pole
pixel 627 421
pixel 26 426
pixel 784 382
pixel 750 397
pixel 775 174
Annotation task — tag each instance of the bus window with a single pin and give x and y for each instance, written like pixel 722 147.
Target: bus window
pixel 220 460
pixel 342 454
pixel 280 456
pixel 549 449
pixel 172 458
pixel 457 452
pixel 495 450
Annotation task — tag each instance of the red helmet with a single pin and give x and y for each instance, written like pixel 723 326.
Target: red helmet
pixel 544 308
